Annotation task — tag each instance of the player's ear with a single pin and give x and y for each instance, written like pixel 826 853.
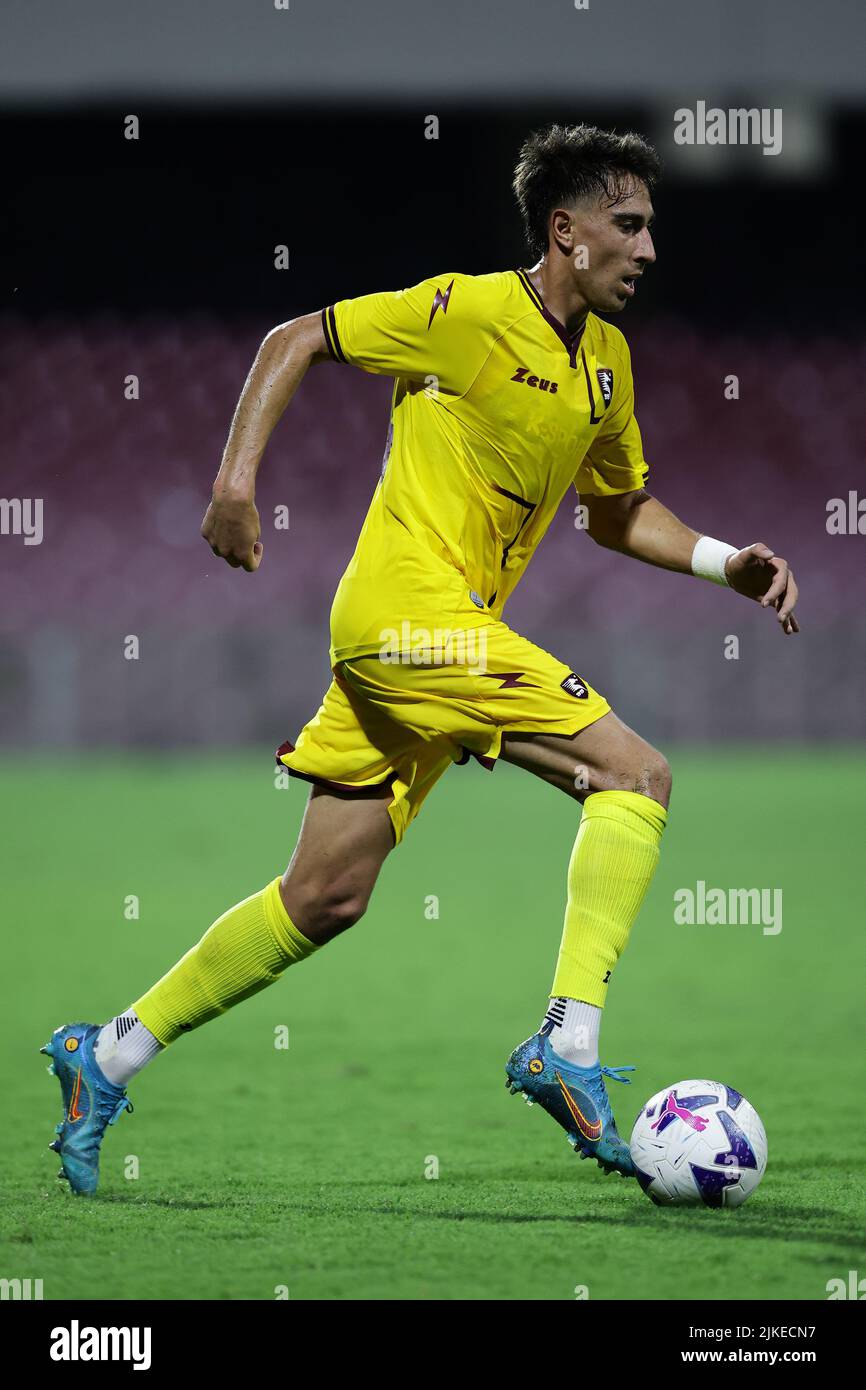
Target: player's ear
pixel 561 230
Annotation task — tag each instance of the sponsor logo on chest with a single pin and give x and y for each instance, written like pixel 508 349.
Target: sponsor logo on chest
pixel 604 376
pixel 541 383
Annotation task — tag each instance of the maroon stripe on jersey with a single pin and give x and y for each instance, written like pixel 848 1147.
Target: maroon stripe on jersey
pixel 327 332
pixel 530 508
pixel 593 418
pixel 570 340
pixel 503 492
pixel 332 324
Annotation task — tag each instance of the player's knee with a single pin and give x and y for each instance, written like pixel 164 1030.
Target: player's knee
pixel 654 777
pixel 328 908
pixel 341 910
pixel 645 770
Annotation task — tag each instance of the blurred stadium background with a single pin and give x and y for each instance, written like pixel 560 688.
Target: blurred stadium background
pixel 155 258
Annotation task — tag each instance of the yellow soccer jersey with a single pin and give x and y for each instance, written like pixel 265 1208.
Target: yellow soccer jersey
pixel 496 412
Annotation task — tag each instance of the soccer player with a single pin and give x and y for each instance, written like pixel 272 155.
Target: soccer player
pixel 509 389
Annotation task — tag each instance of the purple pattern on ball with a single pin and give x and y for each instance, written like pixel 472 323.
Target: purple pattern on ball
pixel 740 1154
pixel 712 1184
pixel 734 1097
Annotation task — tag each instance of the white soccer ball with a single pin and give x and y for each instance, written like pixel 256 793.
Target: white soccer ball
pixel 698 1142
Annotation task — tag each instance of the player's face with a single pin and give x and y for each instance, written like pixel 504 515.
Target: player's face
pixel 618 249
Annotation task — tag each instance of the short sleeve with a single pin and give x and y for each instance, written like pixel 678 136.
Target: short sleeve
pixel 416 333
pixel 614 461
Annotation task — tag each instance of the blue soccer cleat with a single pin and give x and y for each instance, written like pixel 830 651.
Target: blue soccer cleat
pixel 575 1096
pixel 90 1102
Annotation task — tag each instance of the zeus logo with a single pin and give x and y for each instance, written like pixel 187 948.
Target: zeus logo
pixel 440 301
pixel 541 382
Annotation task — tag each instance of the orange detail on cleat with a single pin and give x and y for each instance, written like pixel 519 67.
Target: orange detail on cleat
pixel 589 1129
pixel 74 1113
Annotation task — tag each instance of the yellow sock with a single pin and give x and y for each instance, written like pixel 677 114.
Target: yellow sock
pixel 611 868
pixel 245 950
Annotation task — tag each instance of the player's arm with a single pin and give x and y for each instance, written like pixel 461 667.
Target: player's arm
pixel 426 332
pixel 231 523
pixel 635 523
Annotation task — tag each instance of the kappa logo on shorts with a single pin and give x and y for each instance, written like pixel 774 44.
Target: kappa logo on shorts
pixel 573 685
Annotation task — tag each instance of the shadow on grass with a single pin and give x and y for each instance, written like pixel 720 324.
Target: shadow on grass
pixel 171 1203
pixel 817 1226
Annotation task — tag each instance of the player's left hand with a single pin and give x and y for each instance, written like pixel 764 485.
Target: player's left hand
pixel 760 574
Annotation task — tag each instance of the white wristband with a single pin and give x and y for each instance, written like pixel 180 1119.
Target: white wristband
pixel 708 559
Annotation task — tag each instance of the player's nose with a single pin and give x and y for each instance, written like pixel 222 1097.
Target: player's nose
pixel 645 251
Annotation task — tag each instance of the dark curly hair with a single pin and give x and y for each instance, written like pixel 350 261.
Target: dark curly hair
pixel 561 164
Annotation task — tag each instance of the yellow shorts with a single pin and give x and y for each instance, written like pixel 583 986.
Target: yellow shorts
pixel 398 724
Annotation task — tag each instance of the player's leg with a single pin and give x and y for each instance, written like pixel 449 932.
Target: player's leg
pixel 343 843
pixel 624 785
pixel 344 840
pixel 605 756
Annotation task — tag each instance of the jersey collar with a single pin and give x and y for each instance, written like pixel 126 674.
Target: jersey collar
pixel 570 340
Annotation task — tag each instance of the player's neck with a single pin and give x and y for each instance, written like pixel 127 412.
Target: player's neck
pixel 559 294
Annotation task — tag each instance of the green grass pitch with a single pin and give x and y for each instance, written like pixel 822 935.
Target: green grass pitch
pixel 303 1168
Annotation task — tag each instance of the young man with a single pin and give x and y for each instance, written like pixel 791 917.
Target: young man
pixel 508 390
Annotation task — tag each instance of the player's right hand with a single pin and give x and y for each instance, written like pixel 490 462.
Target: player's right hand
pixel 232 529
pixel 761 574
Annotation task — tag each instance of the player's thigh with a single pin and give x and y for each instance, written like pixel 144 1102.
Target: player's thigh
pixel 605 756
pixel 345 838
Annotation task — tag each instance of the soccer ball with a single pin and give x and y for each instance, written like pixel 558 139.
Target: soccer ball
pixel 698 1142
